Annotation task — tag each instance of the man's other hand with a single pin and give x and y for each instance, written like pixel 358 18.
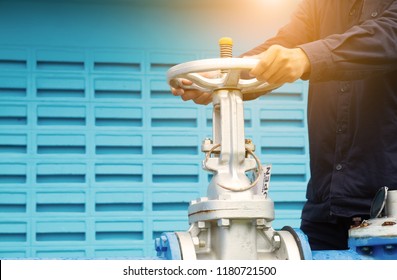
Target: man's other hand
pixel 279 65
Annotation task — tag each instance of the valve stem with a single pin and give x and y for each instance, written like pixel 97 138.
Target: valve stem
pixel 226 44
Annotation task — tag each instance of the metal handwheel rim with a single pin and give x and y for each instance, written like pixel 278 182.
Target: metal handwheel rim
pixel 211 64
pixel 231 66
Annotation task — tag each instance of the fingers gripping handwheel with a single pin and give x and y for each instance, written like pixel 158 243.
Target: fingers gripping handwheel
pixel 226 74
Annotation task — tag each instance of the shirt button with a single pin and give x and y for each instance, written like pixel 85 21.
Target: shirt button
pixel 374 14
pixel 338 167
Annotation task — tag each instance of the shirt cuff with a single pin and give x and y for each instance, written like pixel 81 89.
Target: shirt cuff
pixel 320 58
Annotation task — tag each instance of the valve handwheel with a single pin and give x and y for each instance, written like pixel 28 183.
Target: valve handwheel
pixel 229 70
pixel 208 75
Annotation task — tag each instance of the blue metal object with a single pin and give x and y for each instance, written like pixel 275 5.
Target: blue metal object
pixel 379 248
pixel 338 255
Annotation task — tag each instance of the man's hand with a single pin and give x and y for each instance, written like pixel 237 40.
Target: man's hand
pixel 198 97
pixel 279 65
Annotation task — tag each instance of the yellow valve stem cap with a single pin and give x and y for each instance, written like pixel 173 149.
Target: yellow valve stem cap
pixel 226 41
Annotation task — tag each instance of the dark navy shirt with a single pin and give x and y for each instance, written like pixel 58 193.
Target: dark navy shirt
pixel 352 103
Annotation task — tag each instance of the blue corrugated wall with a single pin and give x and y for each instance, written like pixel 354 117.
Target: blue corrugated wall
pixel 96 156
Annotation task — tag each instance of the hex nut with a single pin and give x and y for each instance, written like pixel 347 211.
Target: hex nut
pixel 223 222
pixel 196 241
pixel 157 244
pixel 276 241
pixel 163 243
pixel 260 222
pixel 201 225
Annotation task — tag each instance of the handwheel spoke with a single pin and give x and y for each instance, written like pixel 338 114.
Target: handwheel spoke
pixel 208 83
pixel 231 78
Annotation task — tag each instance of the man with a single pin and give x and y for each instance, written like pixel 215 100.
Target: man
pixel 347 49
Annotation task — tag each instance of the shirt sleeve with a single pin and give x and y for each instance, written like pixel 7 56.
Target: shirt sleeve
pixel 299 30
pixel 366 49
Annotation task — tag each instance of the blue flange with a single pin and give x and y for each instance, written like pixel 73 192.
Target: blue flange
pixel 302 242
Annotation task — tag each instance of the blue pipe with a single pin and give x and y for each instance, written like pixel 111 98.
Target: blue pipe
pixel 372 248
pixel 339 255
